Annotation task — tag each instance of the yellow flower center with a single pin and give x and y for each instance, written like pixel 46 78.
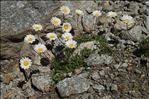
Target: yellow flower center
pixel 56 21
pixel 67 37
pixel 51 36
pixel 40 49
pixel 66 27
pixel 30 39
pixel 65 10
pixel 26 63
pixel 97 14
pixel 71 45
pixel 78 12
pixel 37 28
pixel 126 21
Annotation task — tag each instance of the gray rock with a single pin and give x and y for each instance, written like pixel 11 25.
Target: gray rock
pixel 99 88
pixel 95 59
pixel 85 7
pixel 147 3
pixel 28 91
pixel 147 11
pixel 73 85
pixel 42 82
pixel 44 69
pixel 88 22
pixel 146 22
pixel 122 70
pixel 102 72
pixel 108 86
pixel 83 75
pixel 82 96
pixel 104 19
pixel 107 97
pixel 114 87
pixel 19 15
pixel 137 71
pixel 95 76
pixel 134 8
pixel 147 64
pixel 87 96
pixel 11 91
pixel 116 66
pixel 89 45
pixel 136 33
pixel 124 65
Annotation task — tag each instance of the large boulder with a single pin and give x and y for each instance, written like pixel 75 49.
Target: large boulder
pixel 16 16
pixel 42 82
pixel 73 85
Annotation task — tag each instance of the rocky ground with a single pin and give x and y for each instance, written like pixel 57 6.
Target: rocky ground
pixel 121 72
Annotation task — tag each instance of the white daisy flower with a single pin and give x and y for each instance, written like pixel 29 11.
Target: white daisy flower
pixel 67 36
pixel 65 9
pixel 56 21
pixel 66 27
pixel 40 48
pixel 52 36
pixel 111 14
pixel 127 19
pixel 71 44
pixel 79 12
pixel 97 13
pixel 29 38
pixel 25 63
pixel 37 27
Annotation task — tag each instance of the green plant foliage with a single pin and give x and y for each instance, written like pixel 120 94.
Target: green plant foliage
pixel 103 44
pixel 144 47
pixel 70 63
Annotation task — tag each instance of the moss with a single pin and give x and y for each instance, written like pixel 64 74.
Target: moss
pixel 69 63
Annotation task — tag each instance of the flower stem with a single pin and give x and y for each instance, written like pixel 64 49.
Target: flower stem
pixel 45 55
pixel 94 24
pixel 78 21
pixel 63 17
pixel 25 75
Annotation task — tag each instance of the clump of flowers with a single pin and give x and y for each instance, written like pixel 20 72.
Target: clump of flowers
pixel 60 39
